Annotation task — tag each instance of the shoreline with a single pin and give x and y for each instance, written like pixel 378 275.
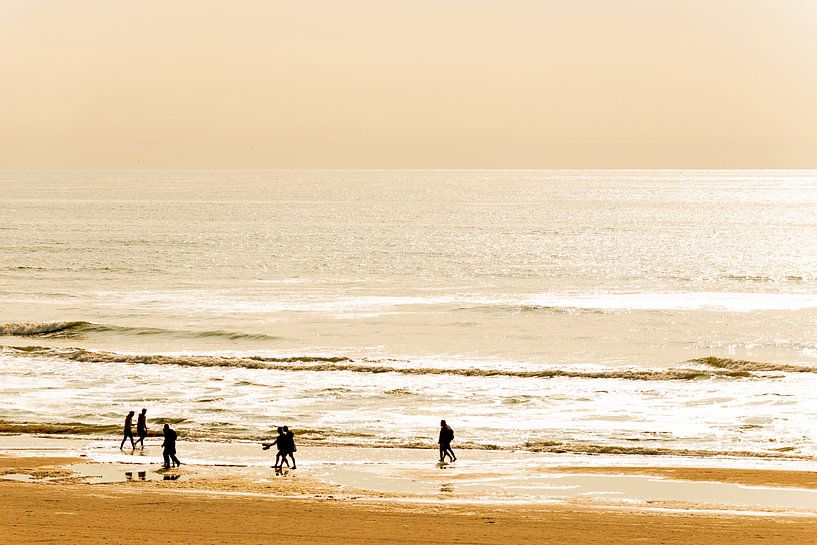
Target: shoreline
pixel 414 476
pixel 306 438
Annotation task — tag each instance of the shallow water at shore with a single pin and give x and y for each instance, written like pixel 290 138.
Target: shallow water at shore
pixel 413 475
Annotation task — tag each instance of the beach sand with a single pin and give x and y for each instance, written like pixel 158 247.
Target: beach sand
pixel 37 513
pixel 51 506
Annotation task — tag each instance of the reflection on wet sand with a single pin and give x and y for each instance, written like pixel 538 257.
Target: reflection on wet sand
pixel 413 475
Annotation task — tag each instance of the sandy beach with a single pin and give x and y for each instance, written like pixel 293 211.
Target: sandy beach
pixel 52 497
pixel 33 513
pixel 81 513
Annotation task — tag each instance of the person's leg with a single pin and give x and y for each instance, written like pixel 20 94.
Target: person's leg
pixel 176 461
pixel 122 444
pixel 291 455
pixel 442 453
pixel 277 459
pixel 451 454
pixel 166 457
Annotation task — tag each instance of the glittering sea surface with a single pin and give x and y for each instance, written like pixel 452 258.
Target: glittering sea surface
pixel 572 311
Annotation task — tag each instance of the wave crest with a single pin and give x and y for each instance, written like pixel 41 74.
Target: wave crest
pixel 343 363
pixel 747 366
pixel 80 328
pixel 47 329
pixel 584 448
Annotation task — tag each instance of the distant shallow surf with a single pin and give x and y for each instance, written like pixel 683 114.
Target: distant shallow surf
pixel 343 400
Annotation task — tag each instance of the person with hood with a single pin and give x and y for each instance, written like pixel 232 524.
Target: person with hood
pixel 169 447
pixel 446 436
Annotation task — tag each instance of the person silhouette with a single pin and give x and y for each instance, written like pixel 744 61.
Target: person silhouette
pixel 128 431
pixel 279 442
pixel 289 443
pixel 142 428
pixel 169 447
pixel 446 436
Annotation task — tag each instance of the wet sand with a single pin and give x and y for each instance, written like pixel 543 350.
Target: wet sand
pixel 237 505
pixel 748 477
pixel 41 513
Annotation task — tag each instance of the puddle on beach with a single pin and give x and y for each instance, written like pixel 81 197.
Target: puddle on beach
pixel 616 489
pixel 22 477
pixel 116 473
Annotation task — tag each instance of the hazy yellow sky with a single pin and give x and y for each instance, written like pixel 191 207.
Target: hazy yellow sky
pixel 408 83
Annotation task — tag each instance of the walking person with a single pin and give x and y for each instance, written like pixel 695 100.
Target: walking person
pixel 169 447
pixel 446 436
pixel 290 446
pixel 128 431
pixel 142 428
pixel 279 442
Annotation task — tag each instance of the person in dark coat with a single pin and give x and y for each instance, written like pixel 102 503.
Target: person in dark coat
pixel 169 447
pixel 446 436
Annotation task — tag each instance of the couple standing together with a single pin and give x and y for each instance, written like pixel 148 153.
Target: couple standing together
pixel 286 447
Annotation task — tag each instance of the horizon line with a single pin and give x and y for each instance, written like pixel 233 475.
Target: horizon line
pixel 405 169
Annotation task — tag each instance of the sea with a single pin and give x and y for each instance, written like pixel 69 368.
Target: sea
pixel 666 312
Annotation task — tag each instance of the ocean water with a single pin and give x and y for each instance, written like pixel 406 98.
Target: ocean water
pixel 569 311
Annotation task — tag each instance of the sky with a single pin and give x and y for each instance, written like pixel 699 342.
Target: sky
pixel 408 84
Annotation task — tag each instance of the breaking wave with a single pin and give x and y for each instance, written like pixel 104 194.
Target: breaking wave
pixel 716 369
pixel 585 448
pixel 66 428
pixel 79 328
pixel 745 366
